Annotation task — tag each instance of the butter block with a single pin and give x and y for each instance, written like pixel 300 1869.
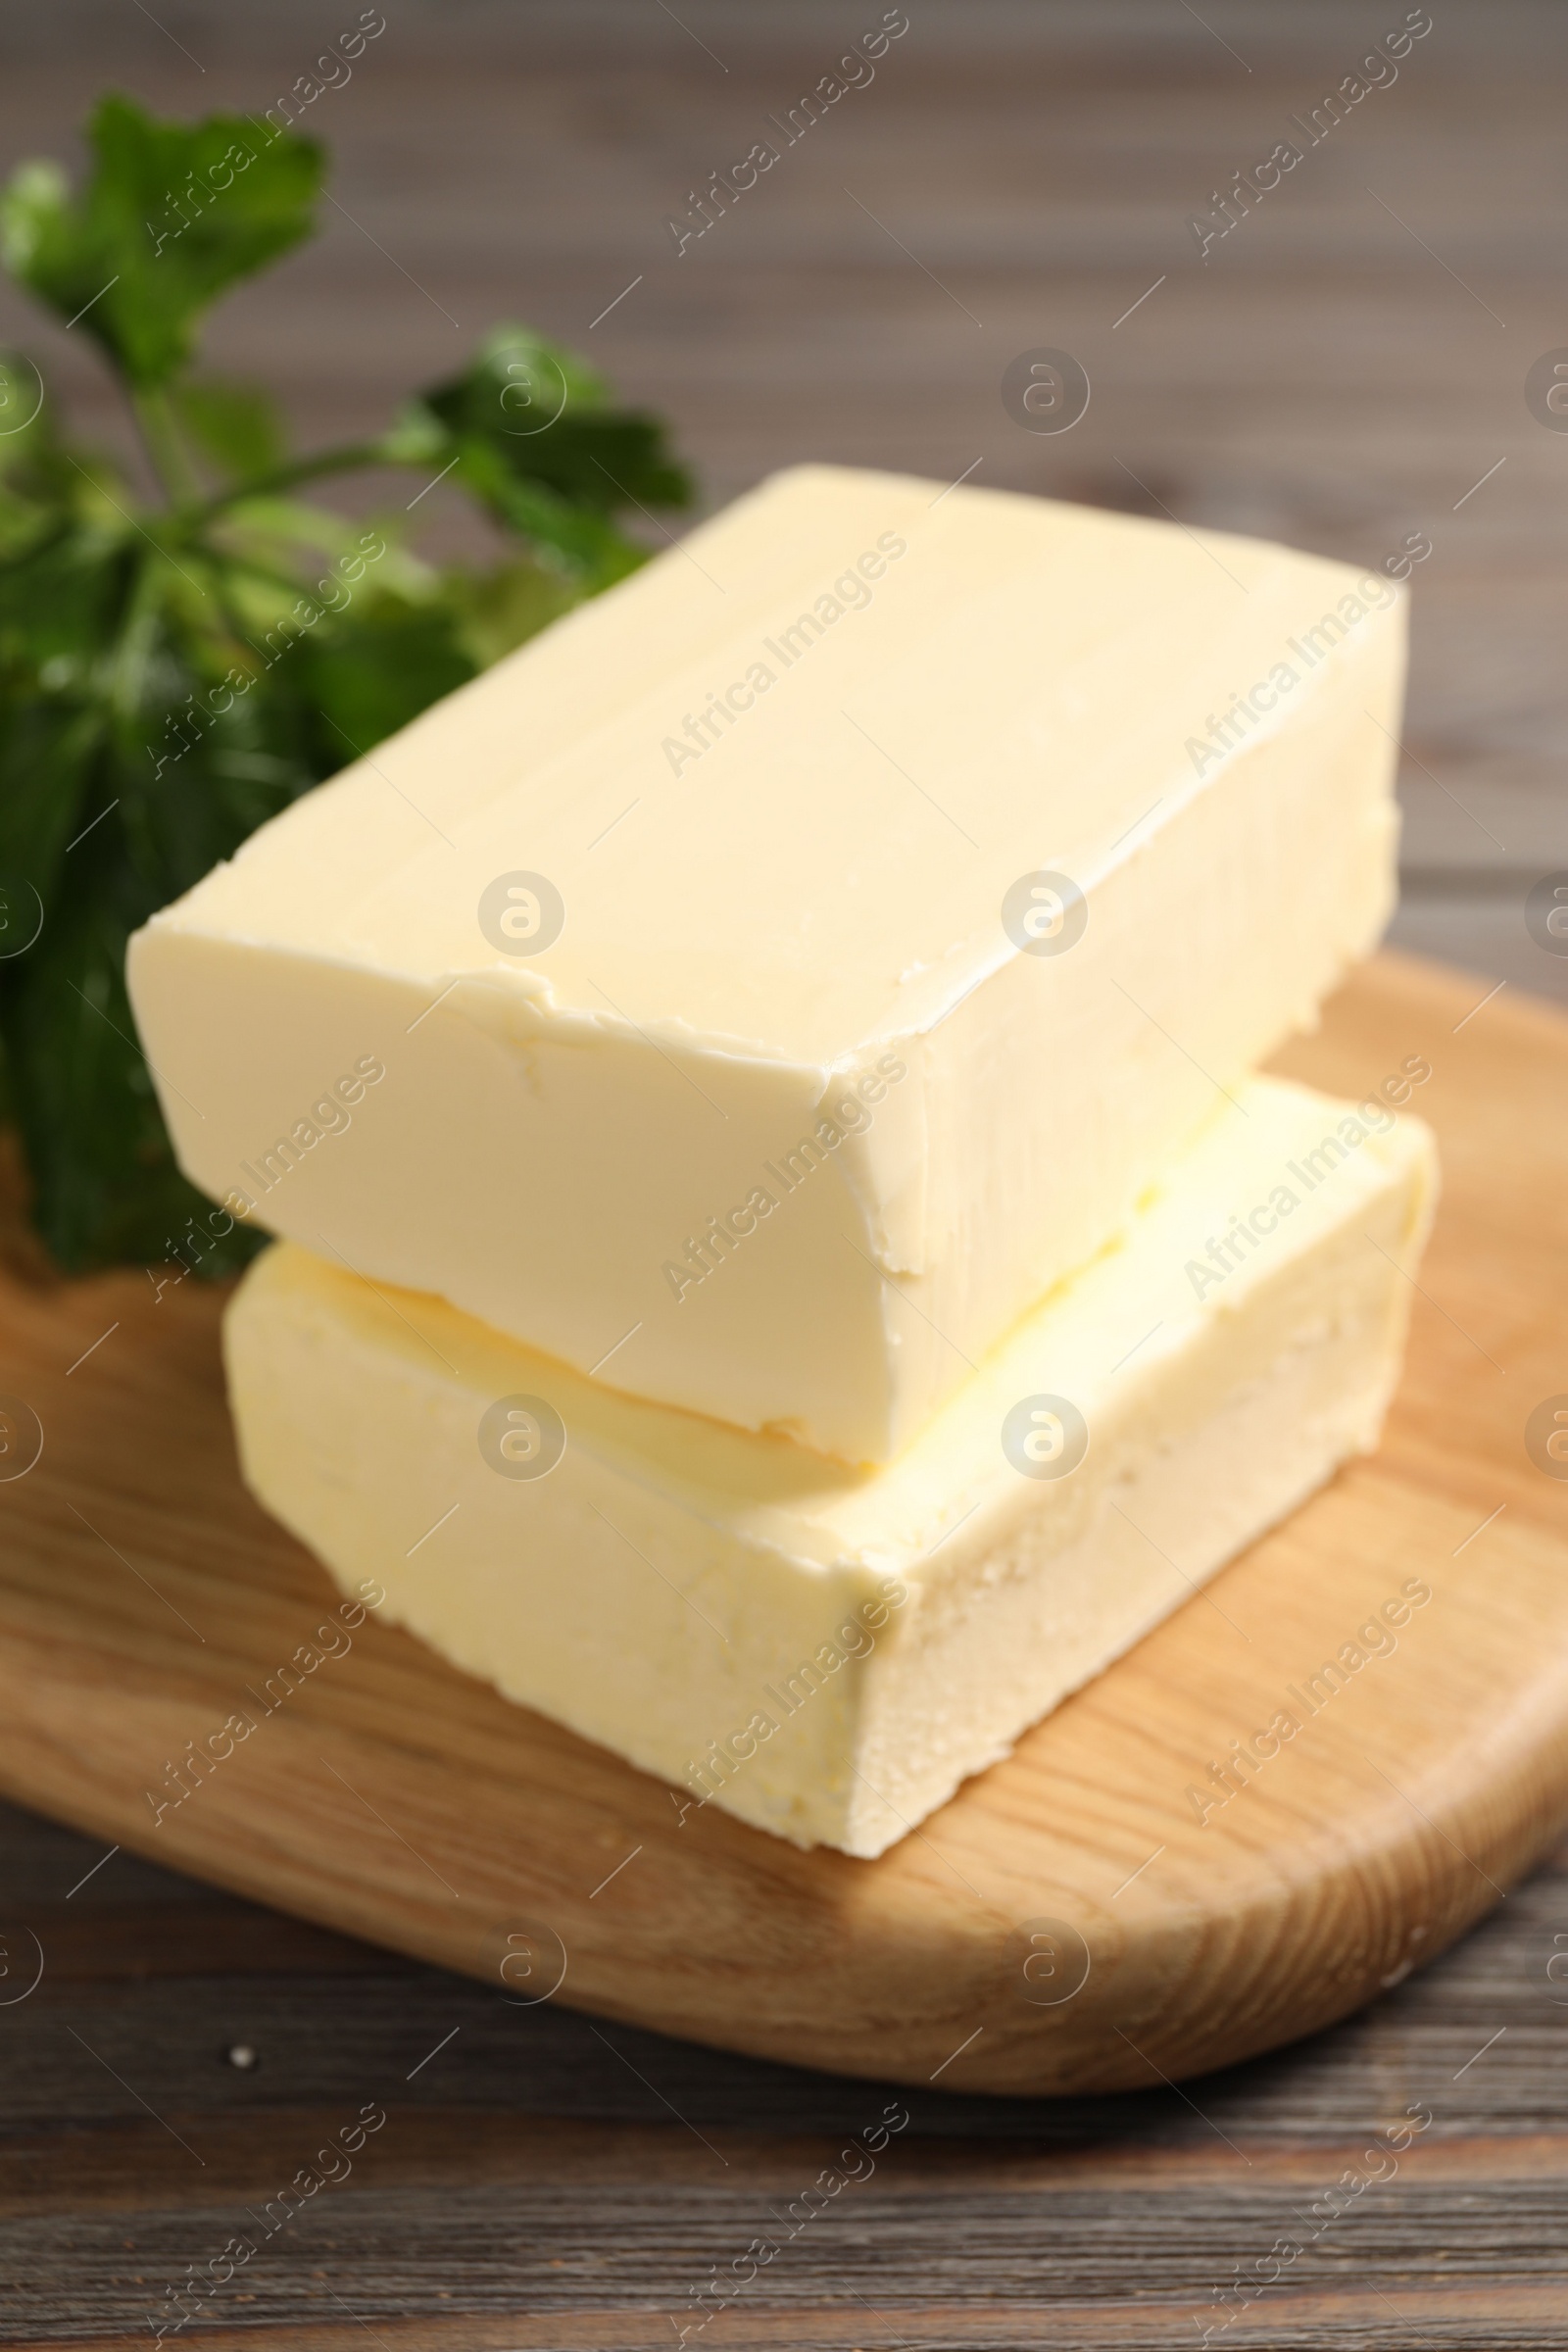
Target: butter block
pixel 762 988
pixel 828 1651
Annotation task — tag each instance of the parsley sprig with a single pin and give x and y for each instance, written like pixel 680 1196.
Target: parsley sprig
pixel 174 670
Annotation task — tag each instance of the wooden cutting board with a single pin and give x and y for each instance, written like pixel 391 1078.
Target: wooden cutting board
pixel 1067 1923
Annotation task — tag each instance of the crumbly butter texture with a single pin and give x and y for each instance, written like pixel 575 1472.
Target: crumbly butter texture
pixel 740 1039
pixel 828 1651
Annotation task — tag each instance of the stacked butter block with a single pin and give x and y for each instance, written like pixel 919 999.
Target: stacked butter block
pixel 757 1095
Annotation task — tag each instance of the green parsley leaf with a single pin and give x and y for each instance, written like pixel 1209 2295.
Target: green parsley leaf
pixel 173 216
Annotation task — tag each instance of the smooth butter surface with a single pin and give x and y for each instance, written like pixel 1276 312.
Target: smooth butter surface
pixel 828 1651
pixel 787 1116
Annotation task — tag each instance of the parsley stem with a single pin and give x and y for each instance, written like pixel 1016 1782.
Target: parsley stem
pixel 348 458
pixel 155 418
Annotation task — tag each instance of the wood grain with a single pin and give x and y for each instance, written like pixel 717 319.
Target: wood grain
pixel 144 1595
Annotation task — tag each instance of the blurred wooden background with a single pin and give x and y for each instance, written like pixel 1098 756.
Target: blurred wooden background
pixel 1345 369
pixel 1341 371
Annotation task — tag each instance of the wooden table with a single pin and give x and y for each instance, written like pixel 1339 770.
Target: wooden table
pixel 1345 369
pixel 539 2182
